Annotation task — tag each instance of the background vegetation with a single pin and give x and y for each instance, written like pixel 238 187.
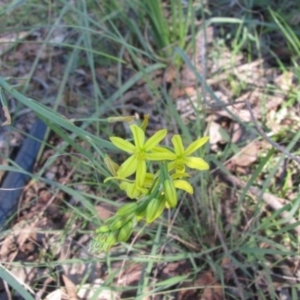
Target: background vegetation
pixel 226 69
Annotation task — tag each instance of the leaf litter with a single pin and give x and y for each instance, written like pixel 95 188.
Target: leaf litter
pixel 40 224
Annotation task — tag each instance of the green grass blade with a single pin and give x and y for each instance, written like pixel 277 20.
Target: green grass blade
pixel 14 283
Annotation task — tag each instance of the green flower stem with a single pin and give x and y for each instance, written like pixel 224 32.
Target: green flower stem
pixel 165 173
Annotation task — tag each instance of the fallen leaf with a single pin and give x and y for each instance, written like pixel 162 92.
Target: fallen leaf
pixel 285 81
pixel 105 211
pixel 215 135
pixel 247 155
pixel 96 291
pixel 70 287
pixel 58 294
pixel 206 288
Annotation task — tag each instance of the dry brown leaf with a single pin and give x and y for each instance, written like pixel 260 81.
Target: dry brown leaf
pixel 8 39
pixel 70 287
pixel 94 291
pixel 170 74
pixel 215 135
pixel 105 211
pixel 18 236
pixel 76 271
pixel 238 133
pixel 247 156
pixel 85 292
pixel 130 273
pixel 285 81
pixel 206 288
pixel 225 63
pixel 252 73
pixel 212 291
pixel 42 290
pixel 242 114
pixel 59 294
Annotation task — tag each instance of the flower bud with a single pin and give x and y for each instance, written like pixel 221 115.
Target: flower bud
pixel 118 223
pixel 111 239
pixel 145 122
pixel 128 119
pixel 106 225
pixel 111 165
pixel 127 209
pixel 170 193
pixel 125 232
pixel 154 209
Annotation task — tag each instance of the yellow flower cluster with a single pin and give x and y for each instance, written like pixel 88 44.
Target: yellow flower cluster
pixel 154 191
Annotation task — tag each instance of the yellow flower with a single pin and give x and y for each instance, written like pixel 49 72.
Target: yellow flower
pixel 132 190
pixel 182 158
pixel 182 184
pixel 129 186
pixel 140 151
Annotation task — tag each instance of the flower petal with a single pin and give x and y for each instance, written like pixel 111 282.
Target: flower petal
pixel 133 192
pixel 183 185
pixel 130 189
pixel 155 139
pixel 140 173
pixel 149 178
pixel 128 167
pixel 161 149
pixel 178 164
pixel 195 145
pixel 179 175
pixel 171 165
pixel 124 185
pixel 138 136
pixel 160 156
pixel 111 165
pixel 177 143
pixel 196 163
pixel 122 144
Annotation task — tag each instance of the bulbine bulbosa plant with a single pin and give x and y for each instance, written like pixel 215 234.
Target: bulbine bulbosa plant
pixel 152 191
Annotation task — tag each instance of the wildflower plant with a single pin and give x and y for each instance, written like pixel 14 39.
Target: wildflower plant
pixel 152 191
